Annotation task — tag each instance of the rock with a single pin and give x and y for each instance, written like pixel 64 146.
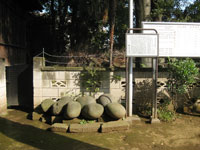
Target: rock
pixel 59 127
pixel 46 104
pixel 106 99
pixel 115 110
pixel 80 128
pixel 72 110
pixel 57 107
pixel 86 100
pixel 197 106
pixel 114 126
pixel 92 111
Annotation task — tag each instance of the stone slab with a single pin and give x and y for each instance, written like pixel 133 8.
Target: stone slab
pixel 71 121
pixel 3 109
pixel 59 127
pixel 155 121
pixel 114 126
pixel 81 128
pixel 133 119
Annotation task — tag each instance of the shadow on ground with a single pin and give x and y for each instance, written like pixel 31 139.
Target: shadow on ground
pixel 35 138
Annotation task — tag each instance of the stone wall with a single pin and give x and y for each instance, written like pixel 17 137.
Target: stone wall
pixel 3 100
pixel 55 82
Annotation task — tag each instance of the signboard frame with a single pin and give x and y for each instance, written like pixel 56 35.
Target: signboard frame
pixel 144 35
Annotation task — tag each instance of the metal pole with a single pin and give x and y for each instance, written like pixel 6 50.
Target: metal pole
pixel 155 76
pixel 43 61
pixel 131 14
pixel 130 85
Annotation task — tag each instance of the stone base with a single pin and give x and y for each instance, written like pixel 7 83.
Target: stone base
pixel 155 120
pixel 3 108
pixel 59 127
pixel 3 113
pixel 114 126
pixel 132 119
pixel 80 128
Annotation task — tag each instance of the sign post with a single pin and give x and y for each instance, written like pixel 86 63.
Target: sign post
pixel 129 72
pixel 154 117
pixel 144 45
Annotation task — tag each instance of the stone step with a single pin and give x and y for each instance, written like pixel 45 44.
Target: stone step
pixel 59 127
pixel 114 126
pixel 81 128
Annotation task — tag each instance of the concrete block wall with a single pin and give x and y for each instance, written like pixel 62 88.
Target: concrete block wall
pixel 55 83
pixel 3 99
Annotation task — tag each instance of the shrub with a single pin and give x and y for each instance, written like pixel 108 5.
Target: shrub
pixel 164 113
pixel 183 73
pixel 91 79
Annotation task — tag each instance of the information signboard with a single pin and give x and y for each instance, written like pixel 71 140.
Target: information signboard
pixel 141 45
pixel 176 39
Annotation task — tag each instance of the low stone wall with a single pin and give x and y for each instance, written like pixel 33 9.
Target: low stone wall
pixel 55 82
pixel 3 100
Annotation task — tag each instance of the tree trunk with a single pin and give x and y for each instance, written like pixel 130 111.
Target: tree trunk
pixel 112 27
pixel 143 10
pixel 53 23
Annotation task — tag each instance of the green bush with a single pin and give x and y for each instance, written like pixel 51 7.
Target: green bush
pixel 91 79
pixel 86 121
pixel 164 114
pixel 183 73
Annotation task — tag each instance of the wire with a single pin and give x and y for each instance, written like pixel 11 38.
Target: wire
pixel 38 54
pixel 67 56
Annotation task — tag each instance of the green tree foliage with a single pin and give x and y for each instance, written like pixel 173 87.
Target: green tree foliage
pixel 168 10
pixel 192 12
pixel 182 74
pixel 121 23
pixel 86 25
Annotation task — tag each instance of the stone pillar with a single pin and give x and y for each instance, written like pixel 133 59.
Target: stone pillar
pixel 37 81
pixel 3 98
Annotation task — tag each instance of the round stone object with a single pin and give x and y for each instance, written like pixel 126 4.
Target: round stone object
pixel 46 104
pixel 57 107
pixel 92 111
pixel 72 110
pixel 115 110
pixel 86 100
pixel 197 106
pixel 106 99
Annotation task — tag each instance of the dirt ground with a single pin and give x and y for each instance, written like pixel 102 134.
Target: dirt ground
pixel 19 133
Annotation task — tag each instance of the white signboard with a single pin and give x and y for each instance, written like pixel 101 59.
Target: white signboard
pixel 141 45
pixel 177 39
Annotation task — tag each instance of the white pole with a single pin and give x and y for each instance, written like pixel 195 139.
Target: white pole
pixel 131 15
pixel 130 85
